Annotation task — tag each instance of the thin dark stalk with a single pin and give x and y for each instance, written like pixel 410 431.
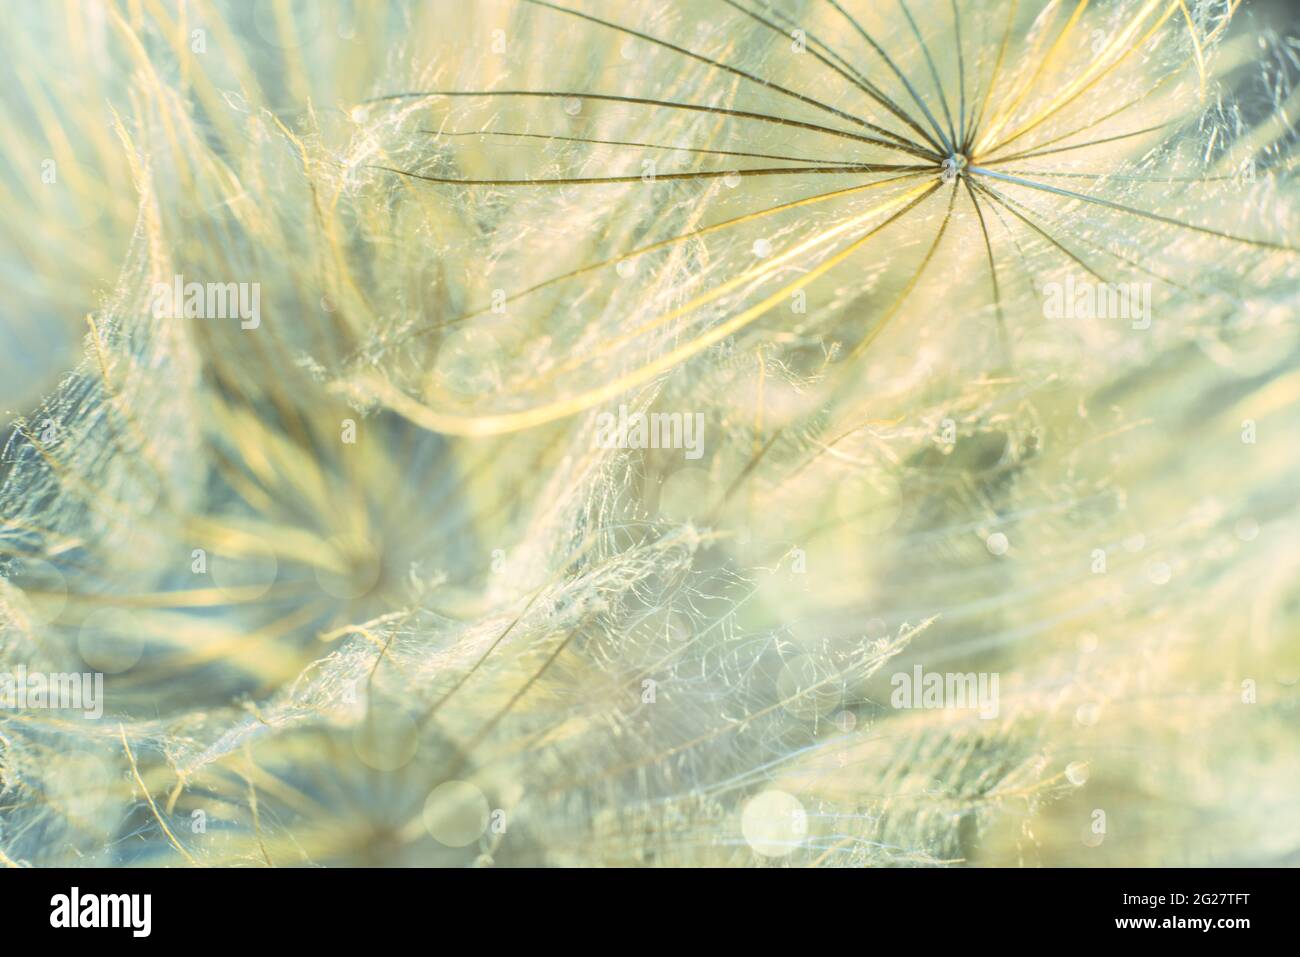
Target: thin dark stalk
pixel 637 178
pixel 993 269
pixel 665 104
pixel 934 71
pixel 647 146
pixel 1065 149
pixel 735 71
pixel 993 78
pixel 1084 197
pixel 961 75
pixel 1111 115
pixel 1040 231
pixel 858 79
pixel 896 71
pixel 831 66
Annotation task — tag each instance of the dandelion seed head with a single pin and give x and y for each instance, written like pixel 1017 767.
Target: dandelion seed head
pixel 437 622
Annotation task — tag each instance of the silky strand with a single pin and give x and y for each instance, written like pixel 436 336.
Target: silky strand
pixel 818 433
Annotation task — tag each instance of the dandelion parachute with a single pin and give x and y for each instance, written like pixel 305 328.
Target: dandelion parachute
pixel 365 589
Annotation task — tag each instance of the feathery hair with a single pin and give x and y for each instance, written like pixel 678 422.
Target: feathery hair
pixel 367 585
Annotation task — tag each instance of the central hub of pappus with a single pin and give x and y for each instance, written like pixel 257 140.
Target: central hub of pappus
pixel 953 166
